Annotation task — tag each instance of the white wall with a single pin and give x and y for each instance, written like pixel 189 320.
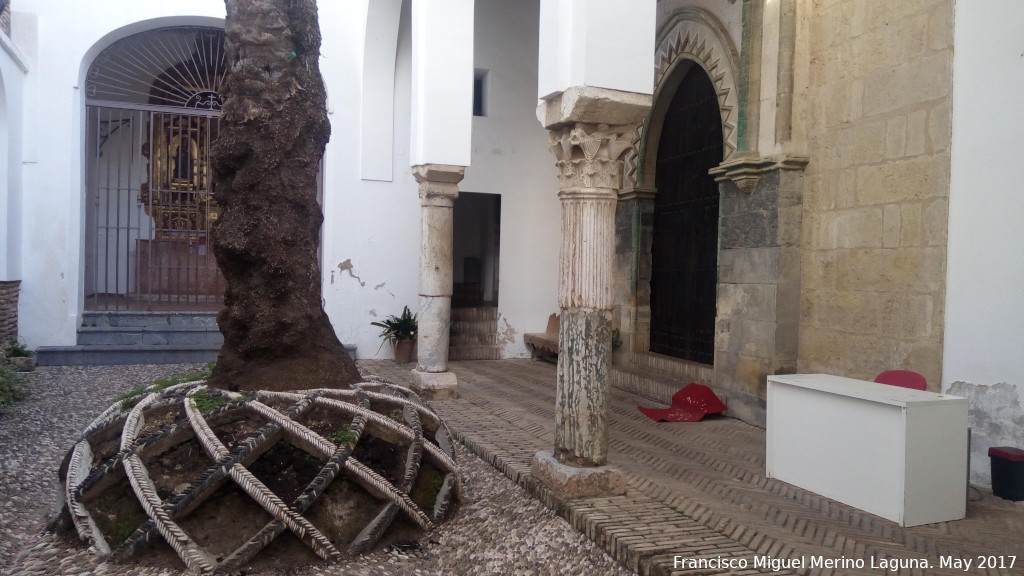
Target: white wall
pixel 371 242
pixel 371 227
pixel 984 334
pixel 596 43
pixel 12 75
pixel 442 81
pixel 59 40
pixel 510 157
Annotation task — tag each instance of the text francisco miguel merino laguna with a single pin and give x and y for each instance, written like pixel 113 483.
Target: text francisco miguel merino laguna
pixel 891 564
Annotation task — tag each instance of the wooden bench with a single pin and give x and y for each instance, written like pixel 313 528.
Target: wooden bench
pixel 544 345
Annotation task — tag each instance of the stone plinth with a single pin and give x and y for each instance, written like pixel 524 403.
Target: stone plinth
pixel 575 482
pixel 435 385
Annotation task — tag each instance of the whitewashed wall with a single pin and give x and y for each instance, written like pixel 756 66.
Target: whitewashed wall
pixel 984 335
pixel 510 157
pixel 59 40
pixel 13 67
pixel 371 227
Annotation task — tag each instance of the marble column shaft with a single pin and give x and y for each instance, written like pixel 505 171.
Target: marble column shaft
pixel 438 189
pixel 589 160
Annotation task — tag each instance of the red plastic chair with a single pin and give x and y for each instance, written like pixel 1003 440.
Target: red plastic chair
pixel 903 379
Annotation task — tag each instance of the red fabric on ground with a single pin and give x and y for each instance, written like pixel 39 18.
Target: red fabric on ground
pixel 691 403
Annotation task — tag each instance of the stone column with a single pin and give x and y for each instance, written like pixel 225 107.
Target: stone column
pixel 589 161
pixel 589 158
pixel 438 187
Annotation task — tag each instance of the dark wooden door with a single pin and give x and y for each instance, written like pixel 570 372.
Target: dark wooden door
pixel 684 273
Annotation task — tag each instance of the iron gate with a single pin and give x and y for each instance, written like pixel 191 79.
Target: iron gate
pixel 150 207
pixel 684 274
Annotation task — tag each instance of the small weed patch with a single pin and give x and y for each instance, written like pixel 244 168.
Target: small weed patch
pixel 164 383
pixel 10 387
pixel 206 402
pixel 343 435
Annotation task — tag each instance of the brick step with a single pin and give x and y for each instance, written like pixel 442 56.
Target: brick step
pixel 474 353
pixel 484 339
pixel 475 314
pixel 489 326
pixel 673 367
pixel 655 385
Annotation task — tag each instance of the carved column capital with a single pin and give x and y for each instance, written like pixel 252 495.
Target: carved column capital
pixel 590 155
pixel 438 183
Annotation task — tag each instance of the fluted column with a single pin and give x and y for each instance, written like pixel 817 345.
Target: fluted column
pixel 589 158
pixel 438 188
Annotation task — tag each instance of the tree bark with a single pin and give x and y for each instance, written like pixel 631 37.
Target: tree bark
pixel 273 131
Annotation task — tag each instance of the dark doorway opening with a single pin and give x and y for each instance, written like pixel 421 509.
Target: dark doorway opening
pixel 684 273
pixel 477 234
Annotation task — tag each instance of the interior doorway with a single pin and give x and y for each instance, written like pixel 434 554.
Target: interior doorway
pixel 475 250
pixel 684 258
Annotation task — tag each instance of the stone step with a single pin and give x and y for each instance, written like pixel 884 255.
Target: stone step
pixel 124 319
pixel 167 335
pixel 94 355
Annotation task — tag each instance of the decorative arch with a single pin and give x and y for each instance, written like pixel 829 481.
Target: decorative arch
pixel 688 37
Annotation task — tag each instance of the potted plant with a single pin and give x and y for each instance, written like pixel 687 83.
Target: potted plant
pixel 401 332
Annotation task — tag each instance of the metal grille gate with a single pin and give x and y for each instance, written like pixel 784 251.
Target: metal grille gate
pixel 149 209
pixel 684 274
pixel 152 112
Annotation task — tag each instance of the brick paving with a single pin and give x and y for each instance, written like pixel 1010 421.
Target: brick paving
pixel 698 491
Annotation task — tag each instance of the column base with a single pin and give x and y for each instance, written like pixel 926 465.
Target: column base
pixel 435 385
pixel 572 482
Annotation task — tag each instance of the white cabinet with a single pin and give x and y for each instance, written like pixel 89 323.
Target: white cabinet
pixel 898 453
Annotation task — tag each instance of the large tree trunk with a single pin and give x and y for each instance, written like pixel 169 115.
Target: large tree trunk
pixel 272 135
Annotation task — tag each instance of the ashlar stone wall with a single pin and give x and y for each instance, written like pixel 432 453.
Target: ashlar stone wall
pixel 877 115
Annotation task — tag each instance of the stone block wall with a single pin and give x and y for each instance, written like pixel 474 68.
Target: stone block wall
pixel 757 323
pixel 878 115
pixel 9 290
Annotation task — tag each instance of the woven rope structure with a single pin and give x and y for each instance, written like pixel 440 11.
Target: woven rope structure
pixel 224 440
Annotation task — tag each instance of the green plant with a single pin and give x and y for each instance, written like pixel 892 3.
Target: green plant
pixel 163 383
pixel 343 435
pixel 10 386
pixel 206 402
pixel 398 327
pixel 16 349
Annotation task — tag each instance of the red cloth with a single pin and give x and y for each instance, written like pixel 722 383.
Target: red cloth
pixel 691 403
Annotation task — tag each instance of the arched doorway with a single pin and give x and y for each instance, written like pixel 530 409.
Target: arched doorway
pixel 152 112
pixel 684 263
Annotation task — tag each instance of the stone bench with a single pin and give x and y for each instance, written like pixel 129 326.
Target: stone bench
pixel 544 345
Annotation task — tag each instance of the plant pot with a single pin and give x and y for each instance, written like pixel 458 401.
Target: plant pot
pixel 403 350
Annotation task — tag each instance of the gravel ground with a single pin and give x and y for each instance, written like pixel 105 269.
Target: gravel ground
pixel 499 529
